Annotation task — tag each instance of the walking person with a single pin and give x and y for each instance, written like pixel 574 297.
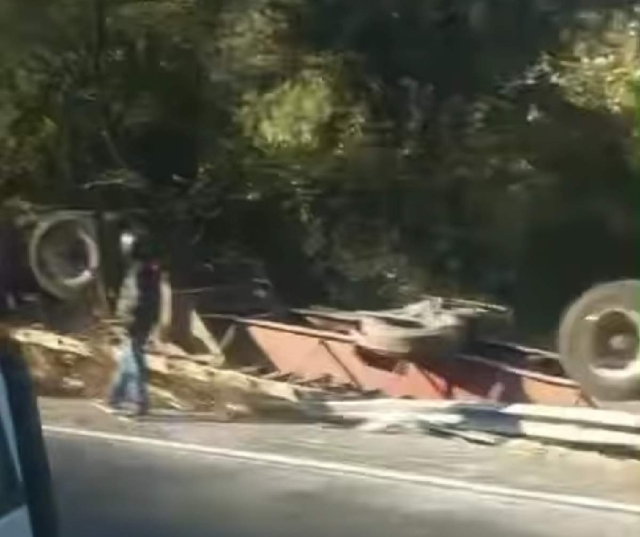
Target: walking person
pixel 139 309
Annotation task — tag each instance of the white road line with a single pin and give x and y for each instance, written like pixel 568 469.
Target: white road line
pixel 108 410
pixel 354 470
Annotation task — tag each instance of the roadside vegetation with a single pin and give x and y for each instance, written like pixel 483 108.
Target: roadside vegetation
pixel 362 151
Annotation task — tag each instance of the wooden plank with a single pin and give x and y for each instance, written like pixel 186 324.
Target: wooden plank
pixel 50 340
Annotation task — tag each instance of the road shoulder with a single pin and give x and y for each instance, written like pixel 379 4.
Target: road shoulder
pixel 518 466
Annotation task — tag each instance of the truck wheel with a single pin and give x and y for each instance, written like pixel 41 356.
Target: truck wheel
pixel 64 255
pixel 599 341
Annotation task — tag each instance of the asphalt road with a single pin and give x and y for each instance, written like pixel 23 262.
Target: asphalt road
pixel 111 488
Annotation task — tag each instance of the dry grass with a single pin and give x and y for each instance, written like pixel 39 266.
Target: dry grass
pixel 83 366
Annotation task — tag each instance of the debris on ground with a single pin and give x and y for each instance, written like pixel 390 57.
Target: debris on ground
pixel 65 366
pixel 82 366
pixel 586 428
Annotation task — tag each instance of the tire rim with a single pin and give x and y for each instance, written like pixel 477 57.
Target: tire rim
pixel 615 343
pixel 64 257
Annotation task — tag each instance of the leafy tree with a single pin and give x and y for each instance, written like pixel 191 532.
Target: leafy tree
pixel 388 147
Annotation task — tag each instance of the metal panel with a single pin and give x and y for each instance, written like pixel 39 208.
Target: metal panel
pixel 310 354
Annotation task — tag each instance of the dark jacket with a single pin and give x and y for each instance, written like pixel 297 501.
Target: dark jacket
pixel 139 299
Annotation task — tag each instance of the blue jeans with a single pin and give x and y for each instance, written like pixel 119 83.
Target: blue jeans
pixel 132 373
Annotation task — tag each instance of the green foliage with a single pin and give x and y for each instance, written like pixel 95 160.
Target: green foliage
pixel 290 117
pixel 599 65
pixel 390 147
pixel 305 113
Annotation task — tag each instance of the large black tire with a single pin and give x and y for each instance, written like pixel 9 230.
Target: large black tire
pixel 599 341
pixel 51 253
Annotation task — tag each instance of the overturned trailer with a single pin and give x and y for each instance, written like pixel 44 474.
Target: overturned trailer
pixel 444 352
pixel 437 348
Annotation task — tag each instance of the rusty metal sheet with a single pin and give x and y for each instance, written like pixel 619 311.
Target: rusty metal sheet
pixel 310 354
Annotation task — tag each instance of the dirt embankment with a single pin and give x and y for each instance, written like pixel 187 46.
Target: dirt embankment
pixel 83 366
